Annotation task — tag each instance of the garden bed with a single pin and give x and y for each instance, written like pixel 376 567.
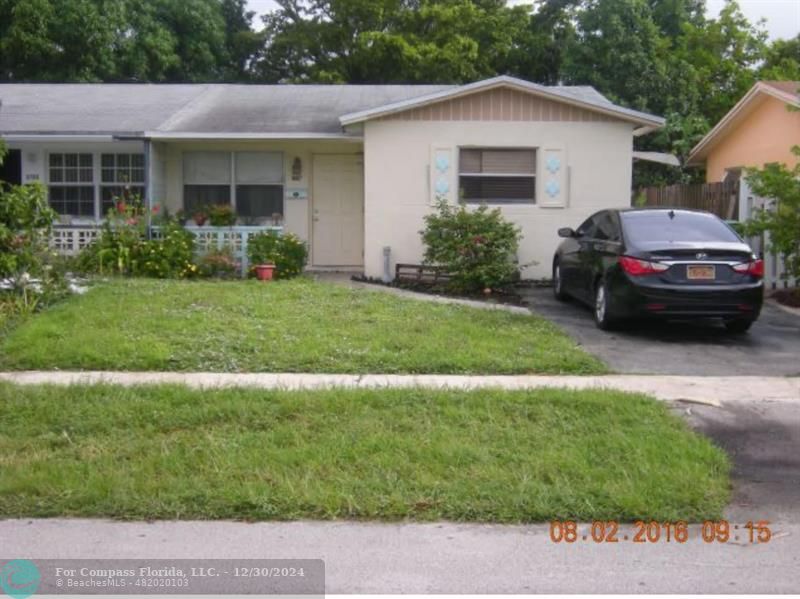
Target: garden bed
pixel 787 297
pixel 508 294
pixel 484 456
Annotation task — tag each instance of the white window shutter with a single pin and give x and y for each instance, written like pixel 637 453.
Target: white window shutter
pixel 552 177
pixel 443 174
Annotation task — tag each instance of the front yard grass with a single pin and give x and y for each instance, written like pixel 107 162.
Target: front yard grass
pixel 486 456
pixel 284 326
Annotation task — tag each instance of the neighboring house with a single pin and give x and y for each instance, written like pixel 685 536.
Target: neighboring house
pixel 351 169
pixel 760 129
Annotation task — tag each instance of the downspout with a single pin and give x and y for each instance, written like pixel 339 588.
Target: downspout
pixel 148 187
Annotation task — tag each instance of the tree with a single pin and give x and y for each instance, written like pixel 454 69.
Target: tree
pixel 57 40
pixel 782 221
pixel 125 40
pixel 618 49
pixel 539 54
pixel 389 41
pixel 782 62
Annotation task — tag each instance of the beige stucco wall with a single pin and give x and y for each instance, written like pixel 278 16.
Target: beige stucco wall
pixel 397 181
pixel 764 135
pixel 296 211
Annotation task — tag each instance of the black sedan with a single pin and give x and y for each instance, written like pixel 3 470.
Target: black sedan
pixel 653 262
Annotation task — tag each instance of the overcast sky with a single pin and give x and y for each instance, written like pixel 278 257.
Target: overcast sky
pixel 782 16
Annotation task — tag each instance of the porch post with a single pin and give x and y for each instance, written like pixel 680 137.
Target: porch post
pixel 148 187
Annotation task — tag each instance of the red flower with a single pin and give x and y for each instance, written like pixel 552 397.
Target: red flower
pixel 121 207
pixel 156 208
pixel 131 221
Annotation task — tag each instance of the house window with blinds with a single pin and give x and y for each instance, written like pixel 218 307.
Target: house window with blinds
pixel 251 182
pixel 497 176
pixel 206 180
pixel 259 184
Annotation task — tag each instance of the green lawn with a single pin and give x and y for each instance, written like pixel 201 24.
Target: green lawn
pixel 488 456
pixel 286 326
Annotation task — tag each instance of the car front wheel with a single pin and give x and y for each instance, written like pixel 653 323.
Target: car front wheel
pixel 602 307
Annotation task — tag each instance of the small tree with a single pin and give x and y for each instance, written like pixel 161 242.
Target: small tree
pixel 783 222
pixel 25 223
pixel 476 247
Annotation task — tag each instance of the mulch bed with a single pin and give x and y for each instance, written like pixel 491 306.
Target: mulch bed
pixel 788 297
pixel 509 295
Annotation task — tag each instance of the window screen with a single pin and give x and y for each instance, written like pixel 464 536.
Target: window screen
pixel 497 175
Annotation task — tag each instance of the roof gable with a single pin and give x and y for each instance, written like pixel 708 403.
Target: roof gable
pixel 785 91
pixel 497 104
pixel 583 98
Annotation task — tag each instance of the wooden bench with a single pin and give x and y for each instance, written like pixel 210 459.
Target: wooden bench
pixel 420 273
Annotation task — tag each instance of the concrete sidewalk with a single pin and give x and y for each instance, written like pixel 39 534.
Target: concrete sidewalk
pixel 438 557
pixel 708 390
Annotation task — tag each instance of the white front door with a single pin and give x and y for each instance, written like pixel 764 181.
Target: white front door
pixel 337 210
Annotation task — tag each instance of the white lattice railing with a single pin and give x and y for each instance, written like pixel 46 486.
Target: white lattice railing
pixel 216 238
pixel 69 240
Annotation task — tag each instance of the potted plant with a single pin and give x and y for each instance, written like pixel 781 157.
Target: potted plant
pixel 221 215
pixel 265 271
pixel 181 217
pixel 200 218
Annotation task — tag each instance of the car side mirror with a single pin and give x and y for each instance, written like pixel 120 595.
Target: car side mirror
pixel 567 232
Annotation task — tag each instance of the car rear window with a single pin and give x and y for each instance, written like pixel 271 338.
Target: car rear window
pixel 656 226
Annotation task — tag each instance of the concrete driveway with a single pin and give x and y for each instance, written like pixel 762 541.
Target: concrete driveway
pixel 770 348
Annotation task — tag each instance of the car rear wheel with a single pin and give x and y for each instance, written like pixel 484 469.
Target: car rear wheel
pixel 558 284
pixel 602 305
pixel 739 325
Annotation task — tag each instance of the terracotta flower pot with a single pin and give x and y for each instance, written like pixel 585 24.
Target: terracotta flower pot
pixel 264 272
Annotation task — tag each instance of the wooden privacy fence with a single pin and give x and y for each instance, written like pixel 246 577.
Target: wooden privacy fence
pixel 721 199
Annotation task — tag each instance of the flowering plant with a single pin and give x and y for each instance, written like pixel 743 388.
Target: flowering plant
pixel 287 252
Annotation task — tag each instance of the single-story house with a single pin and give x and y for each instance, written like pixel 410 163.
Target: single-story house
pixel 758 130
pixel 352 169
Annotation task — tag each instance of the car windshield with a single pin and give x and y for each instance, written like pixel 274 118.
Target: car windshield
pixel 646 227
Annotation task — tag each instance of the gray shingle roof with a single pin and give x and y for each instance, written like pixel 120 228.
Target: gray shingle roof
pixel 132 109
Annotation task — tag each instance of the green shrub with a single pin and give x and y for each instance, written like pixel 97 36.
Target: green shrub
pixel 287 252
pixel 32 275
pixel 476 247
pixel 782 222
pixel 123 248
pixel 170 256
pixel 26 220
pixel 221 215
pixel 219 264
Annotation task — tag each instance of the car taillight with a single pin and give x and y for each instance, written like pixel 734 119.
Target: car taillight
pixel 636 267
pixel 754 268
